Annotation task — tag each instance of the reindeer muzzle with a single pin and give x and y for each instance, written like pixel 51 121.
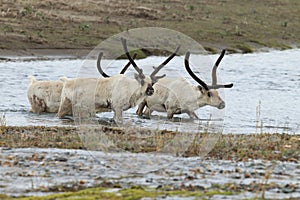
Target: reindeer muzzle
pixel 221 105
pixel 149 91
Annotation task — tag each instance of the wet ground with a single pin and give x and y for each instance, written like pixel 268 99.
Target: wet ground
pixel 34 171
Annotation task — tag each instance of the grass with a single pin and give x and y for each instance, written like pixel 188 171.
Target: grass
pixel 128 194
pixel 3 120
pixel 241 147
pixel 231 24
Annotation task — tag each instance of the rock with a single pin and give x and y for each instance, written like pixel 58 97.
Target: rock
pixel 247 175
pixel 61 159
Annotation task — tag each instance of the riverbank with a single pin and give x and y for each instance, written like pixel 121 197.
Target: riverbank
pixel 66 174
pixel 35 27
pixel 52 162
pixel 238 147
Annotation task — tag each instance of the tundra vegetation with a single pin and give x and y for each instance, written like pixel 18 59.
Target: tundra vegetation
pixel 239 26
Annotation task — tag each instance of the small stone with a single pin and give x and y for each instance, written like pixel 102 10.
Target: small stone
pixel 61 159
pixel 247 175
pixel 288 190
pixel 236 176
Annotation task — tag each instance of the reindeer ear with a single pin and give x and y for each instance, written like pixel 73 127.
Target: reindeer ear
pixel 139 79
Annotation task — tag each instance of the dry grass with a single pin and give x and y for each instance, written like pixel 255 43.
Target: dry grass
pixel 284 147
pixel 242 26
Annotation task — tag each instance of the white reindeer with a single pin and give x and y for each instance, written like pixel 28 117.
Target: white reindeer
pixel 177 95
pixel 44 96
pixel 117 93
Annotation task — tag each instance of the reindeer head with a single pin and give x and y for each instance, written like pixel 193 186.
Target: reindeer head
pixel 209 92
pixel 147 82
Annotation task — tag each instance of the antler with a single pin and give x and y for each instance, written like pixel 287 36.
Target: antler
pixel 106 75
pixel 128 64
pixel 99 66
pixel 188 69
pixel 156 69
pixel 214 73
pixel 140 71
pixel 214 70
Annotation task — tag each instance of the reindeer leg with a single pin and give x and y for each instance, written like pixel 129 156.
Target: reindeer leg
pixel 65 108
pixel 170 114
pixel 118 116
pixel 38 105
pixel 141 107
pixel 148 112
pixel 192 115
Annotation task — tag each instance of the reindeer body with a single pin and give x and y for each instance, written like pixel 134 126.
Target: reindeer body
pixel 117 93
pixel 44 96
pixel 177 96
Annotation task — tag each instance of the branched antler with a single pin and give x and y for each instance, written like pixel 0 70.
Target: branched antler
pixel 214 74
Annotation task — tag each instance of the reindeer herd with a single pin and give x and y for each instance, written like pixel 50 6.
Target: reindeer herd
pixel 118 93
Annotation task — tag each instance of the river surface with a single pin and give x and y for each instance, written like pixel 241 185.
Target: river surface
pixel 265 96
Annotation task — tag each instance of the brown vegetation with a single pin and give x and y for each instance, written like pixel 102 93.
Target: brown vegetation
pixel 239 147
pixel 242 26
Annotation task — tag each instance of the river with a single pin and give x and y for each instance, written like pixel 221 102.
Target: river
pixel 265 96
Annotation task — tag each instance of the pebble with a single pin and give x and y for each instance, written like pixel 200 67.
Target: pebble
pixel 61 159
pixel 71 168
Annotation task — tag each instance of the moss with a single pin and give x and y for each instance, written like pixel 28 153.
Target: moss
pixel 134 193
pixel 87 194
pixel 140 54
pixel 244 48
pixel 210 49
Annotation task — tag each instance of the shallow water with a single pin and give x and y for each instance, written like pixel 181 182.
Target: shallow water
pixel 265 96
pixel 30 170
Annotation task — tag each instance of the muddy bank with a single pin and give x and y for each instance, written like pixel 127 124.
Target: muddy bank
pixel 39 161
pixel 238 147
pixel 34 171
pixel 42 54
pixel 64 24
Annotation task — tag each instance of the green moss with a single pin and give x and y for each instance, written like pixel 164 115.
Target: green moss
pixel 134 193
pixel 244 48
pixel 210 49
pixel 140 54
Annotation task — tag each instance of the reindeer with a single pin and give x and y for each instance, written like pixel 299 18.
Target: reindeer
pixel 177 95
pixel 117 93
pixel 44 96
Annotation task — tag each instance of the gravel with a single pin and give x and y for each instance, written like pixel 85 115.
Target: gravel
pixel 37 171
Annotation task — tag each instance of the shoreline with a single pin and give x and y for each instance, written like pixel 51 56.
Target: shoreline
pixel 71 53
pixel 43 54
pixel 239 147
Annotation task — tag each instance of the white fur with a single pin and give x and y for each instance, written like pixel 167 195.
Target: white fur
pixel 176 96
pixel 44 96
pixel 90 95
